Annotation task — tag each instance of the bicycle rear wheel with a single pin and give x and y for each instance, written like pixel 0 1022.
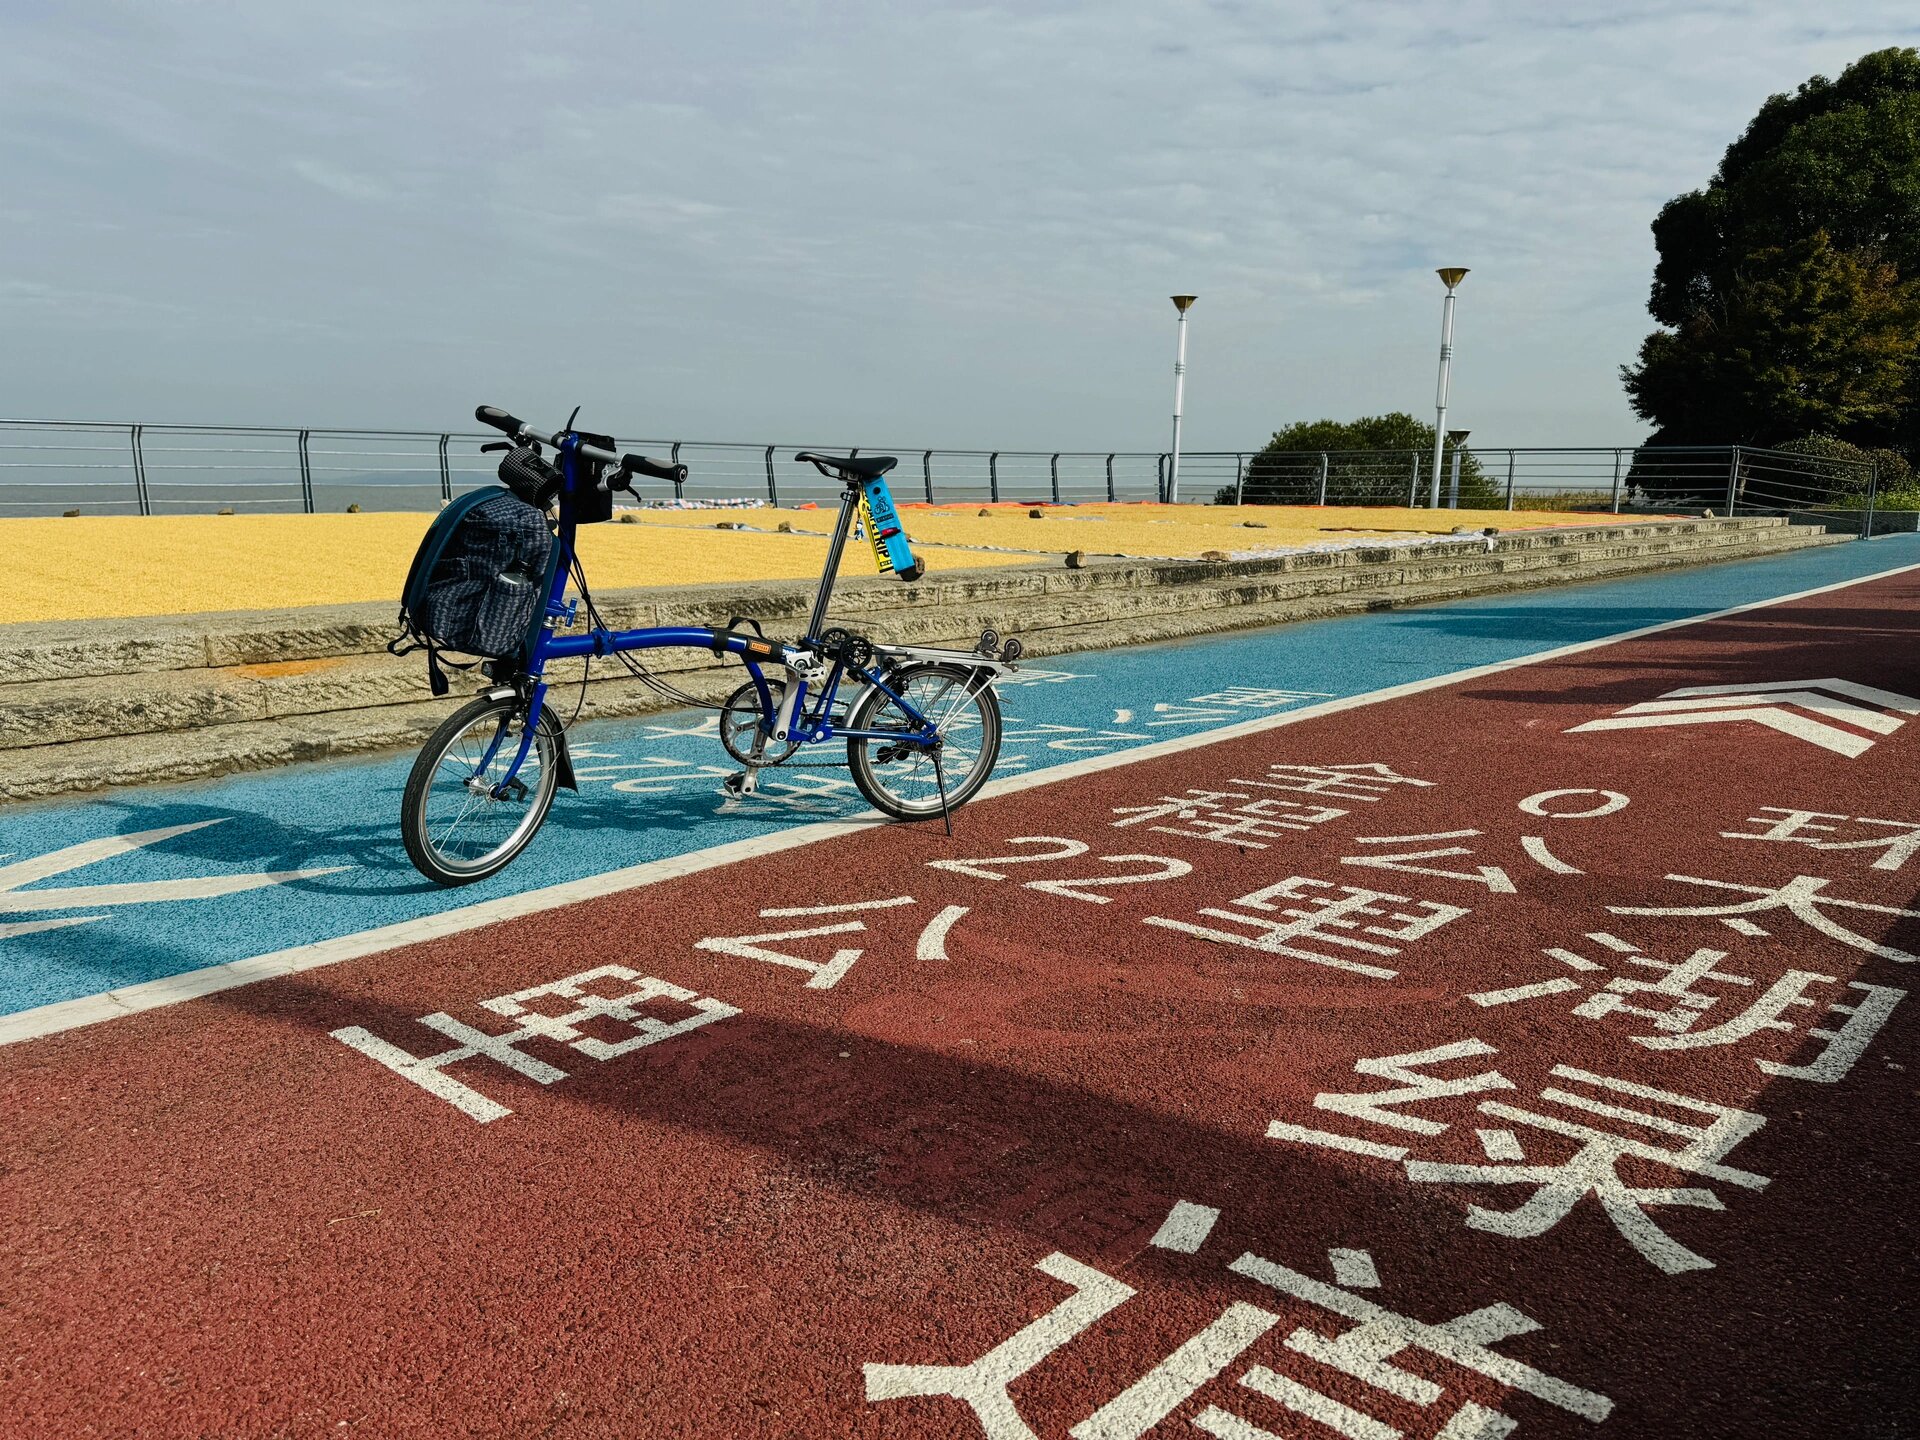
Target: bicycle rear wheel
pixel 456 829
pixel 899 778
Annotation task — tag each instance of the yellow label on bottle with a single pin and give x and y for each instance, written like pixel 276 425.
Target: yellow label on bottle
pixel 881 559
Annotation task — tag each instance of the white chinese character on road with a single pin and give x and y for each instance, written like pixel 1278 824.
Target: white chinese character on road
pixel 1800 897
pixel 1682 1009
pixel 584 1010
pixel 1322 915
pixel 1029 675
pixel 1805 827
pixel 1365 1352
pixel 1426 848
pixel 1211 815
pixel 1221 704
pixel 1558 1185
pixel 1070 738
pixel 1366 782
pixel 825 974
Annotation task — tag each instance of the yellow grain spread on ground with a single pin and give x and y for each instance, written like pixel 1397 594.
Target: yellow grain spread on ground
pixel 94 567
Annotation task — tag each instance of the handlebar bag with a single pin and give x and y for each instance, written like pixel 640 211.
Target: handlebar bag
pixel 479 581
pixel 539 481
pixel 592 492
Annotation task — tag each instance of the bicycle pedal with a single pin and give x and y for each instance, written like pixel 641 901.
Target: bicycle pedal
pixel 744 782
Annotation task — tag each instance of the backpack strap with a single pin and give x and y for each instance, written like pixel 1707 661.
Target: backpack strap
pixel 410 640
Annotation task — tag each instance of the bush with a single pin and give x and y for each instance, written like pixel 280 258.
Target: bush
pixel 1839 467
pixel 1825 470
pixel 1370 461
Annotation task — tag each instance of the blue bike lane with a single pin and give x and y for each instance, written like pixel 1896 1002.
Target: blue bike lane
pixel 138 885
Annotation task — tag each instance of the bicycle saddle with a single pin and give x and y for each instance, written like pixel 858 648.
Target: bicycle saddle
pixel 860 467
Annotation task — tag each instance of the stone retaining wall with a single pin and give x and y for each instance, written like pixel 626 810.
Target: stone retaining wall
pixel 117 702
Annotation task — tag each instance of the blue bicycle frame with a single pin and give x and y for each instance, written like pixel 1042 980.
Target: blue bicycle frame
pixel 789 720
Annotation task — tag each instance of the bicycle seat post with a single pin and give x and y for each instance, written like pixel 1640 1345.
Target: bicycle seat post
pixel 849 500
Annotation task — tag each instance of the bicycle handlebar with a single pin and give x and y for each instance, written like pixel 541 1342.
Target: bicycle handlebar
pixel 629 465
pixel 657 469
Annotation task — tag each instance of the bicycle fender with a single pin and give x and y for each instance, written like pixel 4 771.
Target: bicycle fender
pixel 562 755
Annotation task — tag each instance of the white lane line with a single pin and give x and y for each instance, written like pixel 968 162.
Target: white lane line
pixel 154 994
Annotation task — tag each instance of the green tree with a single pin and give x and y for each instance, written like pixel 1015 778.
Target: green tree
pixel 1805 339
pixel 1787 287
pixel 1369 462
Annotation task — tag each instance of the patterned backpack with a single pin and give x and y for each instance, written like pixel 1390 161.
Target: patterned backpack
pixel 479 582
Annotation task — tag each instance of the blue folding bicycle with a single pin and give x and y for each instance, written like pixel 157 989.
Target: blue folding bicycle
pixel 922 726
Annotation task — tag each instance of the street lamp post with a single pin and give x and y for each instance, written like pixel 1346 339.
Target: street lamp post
pixel 1450 276
pixel 1181 303
pixel 1456 439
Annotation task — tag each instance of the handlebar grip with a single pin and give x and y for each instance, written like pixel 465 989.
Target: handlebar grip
pixel 631 465
pixel 496 417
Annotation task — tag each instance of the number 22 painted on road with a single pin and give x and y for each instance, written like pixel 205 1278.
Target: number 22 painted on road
pixel 1073 889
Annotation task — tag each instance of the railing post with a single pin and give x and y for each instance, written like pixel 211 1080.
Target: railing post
pixel 1733 480
pixel 678 485
pixel 1873 487
pixel 140 474
pixel 1053 470
pixel 773 485
pixel 1616 481
pixel 1324 468
pixel 1413 481
pixel 306 473
pixel 446 471
pixel 1160 477
pixel 1111 497
pixel 993 476
pixel 926 473
pixel 1239 479
pixel 1509 479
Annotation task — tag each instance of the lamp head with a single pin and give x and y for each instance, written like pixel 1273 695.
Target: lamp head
pixel 1451 275
pixel 1457 438
pixel 1181 302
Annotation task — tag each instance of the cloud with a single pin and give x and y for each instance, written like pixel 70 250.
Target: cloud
pixel 334 180
pixel 944 224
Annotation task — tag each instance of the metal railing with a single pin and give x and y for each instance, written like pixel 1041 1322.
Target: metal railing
pixel 51 467
pixel 1727 479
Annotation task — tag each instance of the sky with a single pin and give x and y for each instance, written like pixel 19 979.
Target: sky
pixel 917 224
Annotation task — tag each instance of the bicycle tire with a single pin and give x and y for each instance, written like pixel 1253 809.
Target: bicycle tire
pixel 432 855
pixel 914 793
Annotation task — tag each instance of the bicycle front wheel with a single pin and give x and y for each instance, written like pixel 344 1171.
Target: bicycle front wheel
pixel 900 778
pixel 456 829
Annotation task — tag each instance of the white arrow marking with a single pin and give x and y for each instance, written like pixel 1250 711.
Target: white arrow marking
pixel 14 900
pixel 1806 699
pixel 1886 699
pixel 31 927
pixel 1827 737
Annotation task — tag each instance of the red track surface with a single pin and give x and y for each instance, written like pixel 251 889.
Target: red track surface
pixel 222 1220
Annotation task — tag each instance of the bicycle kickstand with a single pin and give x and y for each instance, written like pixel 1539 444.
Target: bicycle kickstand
pixel 940 779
